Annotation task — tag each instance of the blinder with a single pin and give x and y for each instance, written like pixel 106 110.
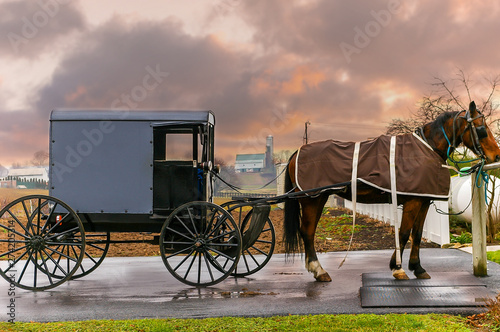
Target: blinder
pixel 481 132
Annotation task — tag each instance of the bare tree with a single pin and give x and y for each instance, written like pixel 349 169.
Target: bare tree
pixel 282 156
pixel 16 164
pixel 40 158
pixel 446 98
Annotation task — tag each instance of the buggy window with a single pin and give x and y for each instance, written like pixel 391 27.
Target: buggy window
pixel 179 147
pixel 179 143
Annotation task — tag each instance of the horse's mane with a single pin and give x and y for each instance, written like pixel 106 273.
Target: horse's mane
pixel 442 119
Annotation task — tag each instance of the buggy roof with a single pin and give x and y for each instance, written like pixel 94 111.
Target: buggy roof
pixel 194 117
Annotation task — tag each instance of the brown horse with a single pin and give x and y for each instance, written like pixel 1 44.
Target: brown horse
pixel 443 135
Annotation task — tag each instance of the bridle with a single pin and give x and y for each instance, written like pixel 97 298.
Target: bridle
pixel 476 134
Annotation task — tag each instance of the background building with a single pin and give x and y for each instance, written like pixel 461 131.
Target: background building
pixel 256 162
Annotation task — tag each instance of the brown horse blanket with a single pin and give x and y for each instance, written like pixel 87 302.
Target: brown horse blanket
pixel 419 170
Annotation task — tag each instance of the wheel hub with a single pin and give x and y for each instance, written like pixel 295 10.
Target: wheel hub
pixel 37 242
pixel 200 243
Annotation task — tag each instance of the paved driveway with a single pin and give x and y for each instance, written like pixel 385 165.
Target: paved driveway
pixel 141 287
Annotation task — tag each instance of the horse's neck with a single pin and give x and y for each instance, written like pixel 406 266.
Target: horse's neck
pixel 439 143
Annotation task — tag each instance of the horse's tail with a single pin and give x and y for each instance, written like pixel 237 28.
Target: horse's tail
pixel 291 236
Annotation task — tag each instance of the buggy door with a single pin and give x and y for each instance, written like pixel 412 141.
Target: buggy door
pixel 179 150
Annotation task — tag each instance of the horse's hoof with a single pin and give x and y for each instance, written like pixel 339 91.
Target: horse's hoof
pixel 424 275
pixel 325 277
pixel 400 275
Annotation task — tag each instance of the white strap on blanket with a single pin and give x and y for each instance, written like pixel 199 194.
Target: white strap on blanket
pixel 394 197
pixel 354 193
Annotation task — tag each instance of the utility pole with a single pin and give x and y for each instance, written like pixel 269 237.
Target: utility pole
pixel 305 138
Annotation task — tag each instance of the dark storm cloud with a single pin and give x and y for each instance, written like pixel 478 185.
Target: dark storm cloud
pixel 405 41
pixel 29 28
pixel 116 63
pixel 323 61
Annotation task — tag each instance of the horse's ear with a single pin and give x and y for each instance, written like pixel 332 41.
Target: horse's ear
pixel 472 108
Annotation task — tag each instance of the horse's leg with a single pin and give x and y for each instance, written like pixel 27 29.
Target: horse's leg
pixel 312 209
pixel 416 236
pixel 411 209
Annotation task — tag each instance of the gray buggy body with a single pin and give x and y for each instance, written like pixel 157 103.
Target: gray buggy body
pixel 119 170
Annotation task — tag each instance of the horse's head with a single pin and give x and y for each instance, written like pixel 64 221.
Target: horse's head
pixel 478 137
pixel 451 129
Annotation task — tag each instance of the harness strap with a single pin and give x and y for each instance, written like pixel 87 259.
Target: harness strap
pixel 394 197
pixel 354 194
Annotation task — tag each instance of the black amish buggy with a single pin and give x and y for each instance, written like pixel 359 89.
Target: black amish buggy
pixel 132 171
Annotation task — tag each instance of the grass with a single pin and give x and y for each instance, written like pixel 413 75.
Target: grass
pixel 365 322
pixel 493 256
pixel 338 227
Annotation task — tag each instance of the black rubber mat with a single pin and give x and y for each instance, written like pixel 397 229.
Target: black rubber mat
pixel 439 279
pixel 443 290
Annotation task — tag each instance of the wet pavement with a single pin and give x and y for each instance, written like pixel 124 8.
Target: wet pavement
pixel 141 287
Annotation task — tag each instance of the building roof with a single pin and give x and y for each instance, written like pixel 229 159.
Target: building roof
pixel 250 157
pixel 31 171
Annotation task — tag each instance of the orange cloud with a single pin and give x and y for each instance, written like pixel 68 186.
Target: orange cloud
pixel 80 91
pixel 302 78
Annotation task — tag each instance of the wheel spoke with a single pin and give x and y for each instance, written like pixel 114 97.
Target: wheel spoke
pixel 185 227
pixel 252 256
pixel 192 221
pixel 192 248
pixel 208 266
pixel 17 260
pixel 230 232
pixel 178 233
pixel 28 218
pixel 68 231
pixel 13 251
pixel 255 248
pixel 191 265
pixel 48 218
pixel 38 215
pixel 25 265
pixel 60 222
pixel 222 254
pixel 185 258
pixel 20 224
pixel 214 261
pixel 44 262
pixel 62 254
pixel 245 261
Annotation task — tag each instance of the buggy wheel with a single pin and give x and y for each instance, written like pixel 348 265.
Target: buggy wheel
pixel 200 244
pixel 40 237
pixel 255 256
pixel 96 248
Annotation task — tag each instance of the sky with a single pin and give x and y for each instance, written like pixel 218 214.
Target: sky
pixel 264 67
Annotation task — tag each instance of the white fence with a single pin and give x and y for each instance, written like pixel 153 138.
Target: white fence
pixel 436 227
